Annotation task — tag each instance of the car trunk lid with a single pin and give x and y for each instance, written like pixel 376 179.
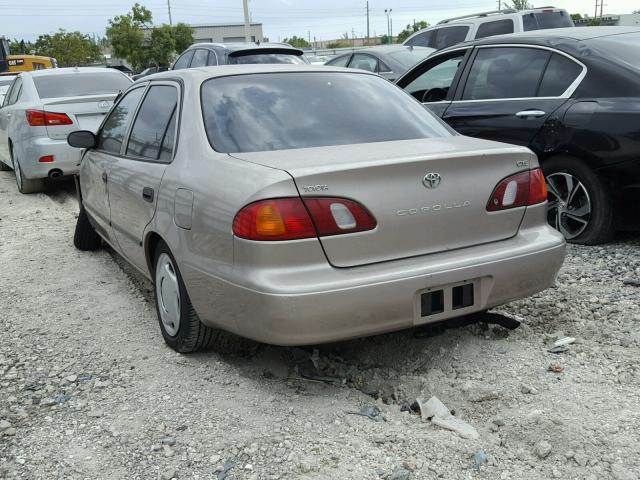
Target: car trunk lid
pixel 86 112
pixel 427 195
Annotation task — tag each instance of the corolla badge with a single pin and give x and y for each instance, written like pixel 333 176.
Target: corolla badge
pixel 104 105
pixel 431 180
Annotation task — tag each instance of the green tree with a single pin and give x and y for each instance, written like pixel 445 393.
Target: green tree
pixel 411 29
pixel 520 4
pixel 17 47
pixel 576 16
pixel 134 38
pixel 298 42
pixel 69 48
pixel 182 36
pixel 126 34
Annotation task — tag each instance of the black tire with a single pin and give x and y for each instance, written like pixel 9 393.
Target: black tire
pixel 192 335
pixel 25 185
pixel 85 237
pixel 600 225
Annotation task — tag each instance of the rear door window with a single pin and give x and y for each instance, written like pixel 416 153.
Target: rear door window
pixel 80 84
pixel 152 123
pixel 544 20
pixel 364 62
pixel 499 27
pixel 115 126
pixel 559 75
pixel 200 58
pixel 213 58
pixel 184 60
pixel 423 39
pixel 448 36
pixel 506 72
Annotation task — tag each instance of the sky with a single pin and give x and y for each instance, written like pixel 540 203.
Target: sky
pixel 322 19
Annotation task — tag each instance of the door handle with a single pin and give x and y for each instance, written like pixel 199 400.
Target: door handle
pixel 147 194
pixel 531 114
pixel 104 176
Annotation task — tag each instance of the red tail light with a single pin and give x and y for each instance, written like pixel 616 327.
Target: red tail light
pixel 519 190
pixel 40 118
pixel 46 159
pixel 295 218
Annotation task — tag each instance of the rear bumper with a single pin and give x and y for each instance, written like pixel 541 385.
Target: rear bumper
pixel 324 304
pixel 66 158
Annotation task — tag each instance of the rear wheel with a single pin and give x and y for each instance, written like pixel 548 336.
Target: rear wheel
pixel 580 205
pixel 85 237
pixel 180 325
pixel 25 185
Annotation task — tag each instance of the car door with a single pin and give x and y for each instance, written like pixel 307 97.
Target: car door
pixel 97 162
pixel 434 81
pixel 6 114
pixel 509 92
pixel 135 177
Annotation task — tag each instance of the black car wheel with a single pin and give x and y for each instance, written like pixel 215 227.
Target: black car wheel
pixel 580 206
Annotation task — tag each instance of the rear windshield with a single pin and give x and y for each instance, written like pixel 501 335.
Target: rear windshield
pixel 410 57
pixel 624 48
pixel 266 58
pixel 80 84
pixel 542 20
pixel 278 111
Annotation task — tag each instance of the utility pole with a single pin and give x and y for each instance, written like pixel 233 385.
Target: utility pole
pixel 169 8
pixel 309 35
pixel 247 36
pixel 601 5
pixel 391 31
pixel 595 16
pixel 367 23
pixel 353 38
pixel 499 5
pixel 388 11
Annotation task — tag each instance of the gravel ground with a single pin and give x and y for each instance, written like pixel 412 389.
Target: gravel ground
pixel 89 390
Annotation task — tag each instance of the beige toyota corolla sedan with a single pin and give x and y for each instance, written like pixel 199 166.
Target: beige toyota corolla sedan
pixel 299 204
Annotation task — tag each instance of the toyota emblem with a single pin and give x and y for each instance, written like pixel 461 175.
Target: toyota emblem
pixel 431 180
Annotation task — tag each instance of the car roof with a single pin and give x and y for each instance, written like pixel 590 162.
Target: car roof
pixel 199 74
pixel 548 37
pixel 70 71
pixel 239 46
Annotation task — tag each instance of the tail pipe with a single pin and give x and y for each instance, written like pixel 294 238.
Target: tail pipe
pixel 55 173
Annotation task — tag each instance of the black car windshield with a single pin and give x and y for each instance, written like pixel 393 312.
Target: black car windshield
pixel 80 84
pixel 278 111
pixel 266 58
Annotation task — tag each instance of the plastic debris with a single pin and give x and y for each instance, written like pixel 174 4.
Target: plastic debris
pixel 479 458
pixel 437 412
pixel 372 413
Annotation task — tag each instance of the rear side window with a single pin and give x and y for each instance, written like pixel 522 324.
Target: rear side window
pixel 543 20
pixel 278 111
pixel 80 84
pixel 499 27
pixel 184 60
pixel 449 36
pixel 200 58
pixel 14 92
pixel 364 62
pixel 152 123
pixel 505 73
pixel 560 73
pixel 424 39
pixel 213 59
pixel 115 126
pixel 340 61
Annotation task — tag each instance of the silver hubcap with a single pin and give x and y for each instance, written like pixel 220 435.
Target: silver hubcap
pixel 569 204
pixel 168 294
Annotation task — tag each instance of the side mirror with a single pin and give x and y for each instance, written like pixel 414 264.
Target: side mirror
pixel 82 139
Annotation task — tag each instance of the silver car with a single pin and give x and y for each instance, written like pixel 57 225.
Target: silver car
pixel 41 108
pixel 299 204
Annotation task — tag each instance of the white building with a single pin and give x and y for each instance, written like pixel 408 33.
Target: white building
pixel 226 32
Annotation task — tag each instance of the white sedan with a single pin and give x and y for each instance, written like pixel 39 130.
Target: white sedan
pixel 38 112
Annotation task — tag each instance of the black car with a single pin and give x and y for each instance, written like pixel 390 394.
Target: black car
pixel 572 95
pixel 208 54
pixel 389 61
